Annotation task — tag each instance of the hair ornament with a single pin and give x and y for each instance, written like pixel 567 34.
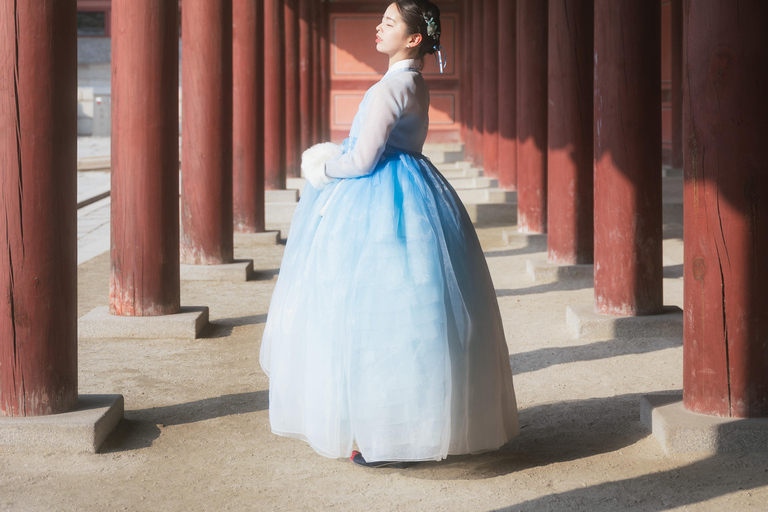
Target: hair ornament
pixel 439 57
pixel 431 27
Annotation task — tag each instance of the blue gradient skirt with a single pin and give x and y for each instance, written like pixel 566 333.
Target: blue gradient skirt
pixel 384 332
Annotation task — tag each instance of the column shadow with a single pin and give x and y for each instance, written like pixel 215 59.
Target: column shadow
pixel 141 427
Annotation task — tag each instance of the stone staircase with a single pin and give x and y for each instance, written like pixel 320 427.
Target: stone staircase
pixel 485 202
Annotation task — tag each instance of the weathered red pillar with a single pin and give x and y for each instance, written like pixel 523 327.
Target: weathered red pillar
pixel 315 118
pixel 570 227
pixel 478 86
pixel 248 116
pixel 532 116
pixel 38 216
pixel 491 88
pixel 292 79
pixel 274 96
pixel 306 76
pixel 508 94
pixel 676 42
pixel 325 84
pixel 467 97
pixel 725 359
pixel 145 159
pixel 627 153
pixel 206 198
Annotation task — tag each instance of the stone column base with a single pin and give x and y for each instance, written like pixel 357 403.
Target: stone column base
pixel 239 270
pixel 81 430
pixel 682 431
pixel 186 324
pixel 541 270
pixel 516 240
pixel 586 324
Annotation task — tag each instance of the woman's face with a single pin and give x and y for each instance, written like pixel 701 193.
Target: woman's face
pixel 392 35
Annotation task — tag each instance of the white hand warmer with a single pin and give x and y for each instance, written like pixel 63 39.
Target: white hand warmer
pixel 313 163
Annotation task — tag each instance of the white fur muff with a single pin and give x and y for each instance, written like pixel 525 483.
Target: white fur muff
pixel 313 163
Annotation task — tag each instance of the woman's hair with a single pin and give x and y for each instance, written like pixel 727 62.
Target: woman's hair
pixel 417 16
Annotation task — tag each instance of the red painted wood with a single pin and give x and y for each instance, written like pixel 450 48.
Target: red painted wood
pixel 323 109
pixel 206 199
pixel 38 215
pixel 145 159
pixel 274 96
pixel 532 116
pixel 570 224
pixel 627 152
pixel 306 76
pixel 508 95
pixel 318 72
pixel 248 116
pixel 478 86
pixel 676 44
pixel 491 89
pixel 725 361
pixel 292 78
pixel 467 97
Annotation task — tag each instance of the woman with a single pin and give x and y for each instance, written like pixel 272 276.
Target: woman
pixel 384 332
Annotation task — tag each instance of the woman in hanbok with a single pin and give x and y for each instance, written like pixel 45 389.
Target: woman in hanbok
pixel 384 334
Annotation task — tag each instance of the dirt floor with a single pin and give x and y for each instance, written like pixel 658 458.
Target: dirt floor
pixel 196 430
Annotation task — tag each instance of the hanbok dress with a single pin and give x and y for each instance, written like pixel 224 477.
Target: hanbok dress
pixel 384 332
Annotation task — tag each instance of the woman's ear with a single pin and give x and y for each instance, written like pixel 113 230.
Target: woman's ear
pixel 414 40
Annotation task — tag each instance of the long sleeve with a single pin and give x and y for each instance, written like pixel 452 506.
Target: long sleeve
pixel 386 105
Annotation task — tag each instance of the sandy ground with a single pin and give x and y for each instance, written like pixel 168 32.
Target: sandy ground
pixel 196 430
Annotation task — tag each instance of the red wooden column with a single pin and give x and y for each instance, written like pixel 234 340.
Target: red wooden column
pixel 478 87
pixel 676 20
pixel 325 84
pixel 491 88
pixel 292 78
pixel 532 116
pixel 206 198
pixel 315 118
pixel 508 94
pixel 570 224
pixel 467 97
pixel 274 96
pixel 627 153
pixel 248 116
pixel 725 360
pixel 145 159
pixel 306 76
pixel 38 213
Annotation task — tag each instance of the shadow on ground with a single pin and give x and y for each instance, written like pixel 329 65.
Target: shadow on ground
pixel 545 357
pixel 142 427
pixel 223 327
pixel 694 483
pixel 549 434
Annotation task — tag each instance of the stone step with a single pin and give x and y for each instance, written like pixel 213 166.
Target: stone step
pixel 473 183
pixel 462 173
pixel 94 163
pixel 281 196
pixel 444 153
pixel 486 195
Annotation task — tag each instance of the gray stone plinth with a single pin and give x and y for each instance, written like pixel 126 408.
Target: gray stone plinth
pixel 682 431
pixel 281 196
pixel 239 270
pixel 81 430
pixel 586 324
pixel 265 238
pixel 542 270
pixel 186 324
pixel 516 240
